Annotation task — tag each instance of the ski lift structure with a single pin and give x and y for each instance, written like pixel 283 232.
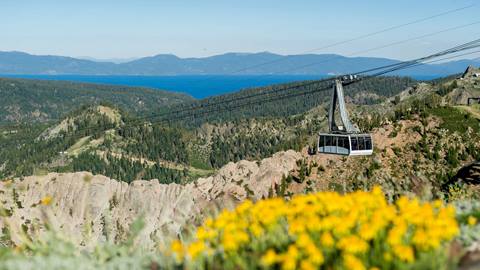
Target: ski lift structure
pixel 345 139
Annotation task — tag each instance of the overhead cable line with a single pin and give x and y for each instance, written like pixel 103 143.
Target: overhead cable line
pixel 274 91
pixel 170 116
pixel 174 115
pixel 337 57
pixel 291 95
pixel 408 64
pixel 233 98
pixel 394 67
pixel 360 37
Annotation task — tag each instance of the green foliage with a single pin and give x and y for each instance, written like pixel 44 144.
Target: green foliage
pixel 21 158
pixel 155 142
pixel 397 151
pixel 416 106
pixel 26 150
pixel 393 134
pixel 124 169
pixel 372 168
pixel 26 153
pixel 383 86
pixel 243 146
pixel 446 89
pixel 281 189
pixel 466 209
pixel 454 120
pixel 35 100
pixel 54 251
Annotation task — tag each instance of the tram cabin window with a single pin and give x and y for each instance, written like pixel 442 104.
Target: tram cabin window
pixel 328 141
pixel 321 141
pixel 361 143
pixel 368 143
pixel 354 143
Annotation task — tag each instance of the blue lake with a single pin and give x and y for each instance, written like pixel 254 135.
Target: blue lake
pixel 197 86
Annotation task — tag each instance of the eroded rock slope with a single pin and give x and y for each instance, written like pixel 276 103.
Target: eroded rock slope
pixel 93 208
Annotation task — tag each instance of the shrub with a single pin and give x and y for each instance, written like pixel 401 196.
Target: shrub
pixel 323 230
pixel 452 157
pixel 468 214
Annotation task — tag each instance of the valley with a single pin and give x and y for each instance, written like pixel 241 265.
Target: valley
pixel 193 145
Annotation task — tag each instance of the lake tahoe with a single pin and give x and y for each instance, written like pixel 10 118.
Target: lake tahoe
pixel 198 86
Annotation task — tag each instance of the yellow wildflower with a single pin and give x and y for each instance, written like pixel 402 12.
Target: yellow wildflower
pixel 195 249
pixel 353 263
pixel 177 249
pixel 472 221
pixel 289 259
pixel 377 191
pixel 314 254
pixel 387 256
pixel 404 253
pixel 368 231
pixel 209 222
pixel 323 224
pixel 270 258
pixel 46 200
pixel 244 207
pixel 296 226
pixel 306 265
pixel 256 229
pixel 201 233
pixel 303 240
pixel 395 235
pixel 353 244
pixel 421 239
pixel 232 240
pixel 437 204
pixel 205 234
pixel 327 239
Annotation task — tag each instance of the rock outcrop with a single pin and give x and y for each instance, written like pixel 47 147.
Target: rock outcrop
pixel 470 72
pixel 469 174
pixel 94 208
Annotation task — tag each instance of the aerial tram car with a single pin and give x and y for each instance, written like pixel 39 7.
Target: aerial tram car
pixel 345 139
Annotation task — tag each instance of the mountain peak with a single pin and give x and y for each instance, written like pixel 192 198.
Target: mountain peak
pixel 470 71
pixel 165 55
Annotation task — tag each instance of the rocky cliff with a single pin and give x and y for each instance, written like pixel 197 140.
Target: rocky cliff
pixel 93 208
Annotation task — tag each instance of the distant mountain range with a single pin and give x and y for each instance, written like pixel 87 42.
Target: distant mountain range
pixel 107 60
pixel 226 64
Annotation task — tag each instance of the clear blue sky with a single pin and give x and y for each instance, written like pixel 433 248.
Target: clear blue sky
pixel 136 28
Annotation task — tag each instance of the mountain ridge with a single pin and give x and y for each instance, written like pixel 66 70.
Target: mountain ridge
pixel 261 63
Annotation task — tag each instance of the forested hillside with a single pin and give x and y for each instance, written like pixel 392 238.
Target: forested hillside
pixel 185 144
pixel 173 147
pixel 28 101
pixel 284 100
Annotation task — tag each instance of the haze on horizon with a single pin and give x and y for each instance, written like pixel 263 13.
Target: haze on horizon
pixel 119 29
